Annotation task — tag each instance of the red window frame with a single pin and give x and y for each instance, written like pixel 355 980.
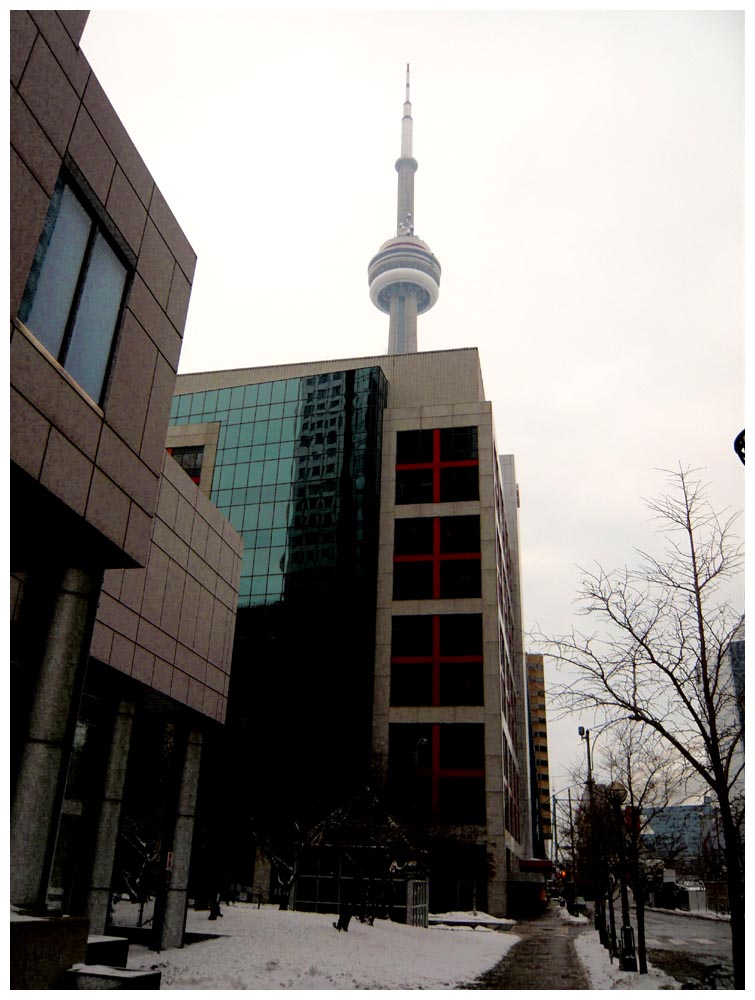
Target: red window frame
pixel 435 772
pixel 436 465
pixel 435 659
pixel 436 557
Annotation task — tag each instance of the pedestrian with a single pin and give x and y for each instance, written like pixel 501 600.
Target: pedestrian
pixel 214 905
pixel 345 910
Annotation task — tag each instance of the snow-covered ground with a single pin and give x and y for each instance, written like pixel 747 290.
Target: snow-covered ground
pixel 604 975
pixel 273 949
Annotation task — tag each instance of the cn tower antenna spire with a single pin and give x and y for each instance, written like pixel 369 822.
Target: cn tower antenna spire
pixel 406 122
pixel 404 275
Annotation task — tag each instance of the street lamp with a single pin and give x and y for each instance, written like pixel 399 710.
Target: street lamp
pixel 627 957
pixel 600 912
pixel 584 734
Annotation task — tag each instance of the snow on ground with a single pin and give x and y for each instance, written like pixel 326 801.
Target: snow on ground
pixel 474 917
pixel 273 949
pixel 606 976
pixel 569 918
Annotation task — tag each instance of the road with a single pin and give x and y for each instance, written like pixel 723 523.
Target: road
pixel 674 940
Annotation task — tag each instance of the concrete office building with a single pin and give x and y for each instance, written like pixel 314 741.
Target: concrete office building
pixel 379 628
pixel 123 575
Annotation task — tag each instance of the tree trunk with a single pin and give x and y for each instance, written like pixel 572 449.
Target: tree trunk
pixel 735 879
pixel 639 902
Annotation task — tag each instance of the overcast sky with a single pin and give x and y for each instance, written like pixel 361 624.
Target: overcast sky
pixel 580 180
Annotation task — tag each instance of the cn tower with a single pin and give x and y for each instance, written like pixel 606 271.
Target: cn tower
pixel 404 274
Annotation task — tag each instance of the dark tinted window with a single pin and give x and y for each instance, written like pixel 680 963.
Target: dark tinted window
pixel 412 635
pixel 458 483
pixel 413 536
pixel 414 486
pixel 461 684
pixel 462 800
pixel 413 447
pixel 460 534
pixel 458 443
pixel 460 635
pixel 413 581
pixel 411 684
pixel 460 578
pixel 462 746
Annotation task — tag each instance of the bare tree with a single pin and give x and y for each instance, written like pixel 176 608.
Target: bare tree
pixel 662 657
pixel 644 780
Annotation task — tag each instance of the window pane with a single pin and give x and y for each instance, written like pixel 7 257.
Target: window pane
pixel 96 318
pixel 411 684
pixel 462 746
pixel 460 578
pixel 413 581
pixel 460 534
pixel 461 635
pixel 414 486
pixel 412 635
pixel 413 447
pixel 461 684
pixel 458 483
pixel 462 800
pixel 52 282
pixel 458 443
pixel 413 536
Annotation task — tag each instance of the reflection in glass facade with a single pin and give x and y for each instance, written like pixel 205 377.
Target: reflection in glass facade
pixel 296 472
pixel 298 475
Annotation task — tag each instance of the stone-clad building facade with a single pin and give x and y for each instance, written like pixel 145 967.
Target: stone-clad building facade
pixel 100 278
pixel 379 630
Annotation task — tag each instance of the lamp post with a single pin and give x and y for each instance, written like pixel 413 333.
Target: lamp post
pixel 627 956
pixel 600 912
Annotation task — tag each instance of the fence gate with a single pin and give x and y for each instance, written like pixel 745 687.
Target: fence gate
pixel 417 902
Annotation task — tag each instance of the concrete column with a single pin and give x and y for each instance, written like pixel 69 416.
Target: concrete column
pixel 174 919
pixel 35 812
pixel 110 816
pixel 497 880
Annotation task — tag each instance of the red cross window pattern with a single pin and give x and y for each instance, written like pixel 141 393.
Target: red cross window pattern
pixel 437 466
pixel 436 660
pixel 436 557
pixel 437 771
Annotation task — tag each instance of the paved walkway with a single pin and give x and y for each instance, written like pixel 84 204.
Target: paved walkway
pixel 544 959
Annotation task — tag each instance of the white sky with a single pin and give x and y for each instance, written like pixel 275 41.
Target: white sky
pixel 580 180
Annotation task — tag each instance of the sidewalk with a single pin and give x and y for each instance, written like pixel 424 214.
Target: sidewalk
pixel 545 958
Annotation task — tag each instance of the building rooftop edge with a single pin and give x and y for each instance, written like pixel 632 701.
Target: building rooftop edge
pixel 376 359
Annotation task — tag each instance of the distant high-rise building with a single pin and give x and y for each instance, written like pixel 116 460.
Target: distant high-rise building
pixel 379 634
pixel 541 808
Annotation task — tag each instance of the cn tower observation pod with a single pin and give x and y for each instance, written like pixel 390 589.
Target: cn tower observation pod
pixel 404 264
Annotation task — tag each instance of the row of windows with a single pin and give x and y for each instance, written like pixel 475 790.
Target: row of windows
pixel 446 535
pixel 448 444
pixel 215 400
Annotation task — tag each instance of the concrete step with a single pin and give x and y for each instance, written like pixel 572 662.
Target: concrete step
pixel 104 949
pixel 107 977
